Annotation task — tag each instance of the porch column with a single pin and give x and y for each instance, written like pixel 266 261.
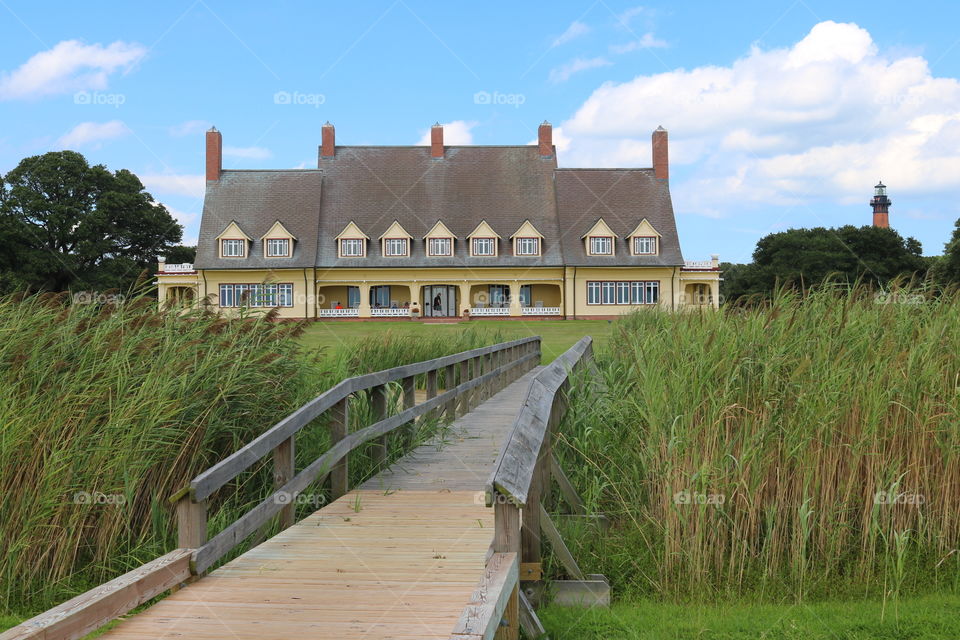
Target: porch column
pixel 715 293
pixel 364 310
pixel 516 308
pixel 464 302
pixel 415 296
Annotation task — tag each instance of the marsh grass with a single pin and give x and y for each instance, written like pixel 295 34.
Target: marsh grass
pixel 123 404
pixel 798 413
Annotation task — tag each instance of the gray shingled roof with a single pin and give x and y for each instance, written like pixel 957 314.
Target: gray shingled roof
pixel 622 197
pixel 373 186
pixel 255 200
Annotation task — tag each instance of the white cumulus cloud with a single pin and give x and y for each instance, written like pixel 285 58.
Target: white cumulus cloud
pixel 69 66
pixel 456 132
pixel 564 72
pixel 91 134
pixel 574 31
pixel 174 184
pixel 827 116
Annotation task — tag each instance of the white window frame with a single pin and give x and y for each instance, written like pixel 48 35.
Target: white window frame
pixel 474 244
pixel 239 243
pixel 623 292
pixel 275 242
pixel 360 243
pixel 638 240
pixel 432 247
pixel 235 295
pixel 527 246
pixel 601 242
pixel 391 252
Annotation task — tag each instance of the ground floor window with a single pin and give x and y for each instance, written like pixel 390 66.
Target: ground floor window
pixel 380 297
pixel 256 295
pixel 526 295
pixel 623 292
pixel 499 295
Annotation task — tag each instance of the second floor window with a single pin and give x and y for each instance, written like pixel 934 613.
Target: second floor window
pixel 601 245
pixel 644 246
pixel 395 247
pixel 439 246
pixel 233 248
pixel 278 247
pixel 351 248
pixel 528 246
pixel 483 246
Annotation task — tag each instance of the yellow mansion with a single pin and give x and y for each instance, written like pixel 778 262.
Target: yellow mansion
pixel 440 232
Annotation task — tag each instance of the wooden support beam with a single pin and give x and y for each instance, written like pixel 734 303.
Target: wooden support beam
pixel 530 528
pixel 449 382
pixel 339 426
pixel 593 591
pixel 409 386
pixel 566 487
pixel 559 547
pixel 465 396
pixel 506 518
pixel 283 472
pixel 431 391
pixel 378 409
pixel 529 622
pixel 191 523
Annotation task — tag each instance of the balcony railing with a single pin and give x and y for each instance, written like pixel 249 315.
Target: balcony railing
pixel 698 264
pixel 490 311
pixel 338 313
pixel 402 313
pixel 540 311
pixel 185 267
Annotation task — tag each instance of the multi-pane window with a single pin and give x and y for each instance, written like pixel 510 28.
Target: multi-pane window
pixel 440 246
pixel 601 245
pixel 351 247
pixel 528 246
pixel 644 245
pixel 278 247
pixel 620 292
pixel 256 295
pixel 395 247
pixel 483 246
pixel 233 248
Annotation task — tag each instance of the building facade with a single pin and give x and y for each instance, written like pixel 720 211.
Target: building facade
pixel 440 232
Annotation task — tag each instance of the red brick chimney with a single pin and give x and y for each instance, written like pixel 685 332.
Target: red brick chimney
pixel 436 141
pixel 545 139
pixel 661 168
pixel 328 141
pixel 214 154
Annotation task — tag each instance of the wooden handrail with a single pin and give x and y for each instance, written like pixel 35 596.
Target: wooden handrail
pixel 499 363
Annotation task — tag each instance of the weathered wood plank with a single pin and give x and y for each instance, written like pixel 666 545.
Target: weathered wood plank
pixel 339 427
pixel 566 487
pixel 481 617
pixel 91 610
pixel 559 546
pixel 529 622
pixel 283 472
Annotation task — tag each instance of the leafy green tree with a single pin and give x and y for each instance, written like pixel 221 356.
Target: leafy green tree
pixel 947 269
pixel 68 225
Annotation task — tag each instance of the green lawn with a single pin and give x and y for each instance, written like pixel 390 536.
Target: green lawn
pixel 558 335
pixel 926 617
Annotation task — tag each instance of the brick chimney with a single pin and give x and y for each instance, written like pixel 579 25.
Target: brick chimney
pixel 328 141
pixel 545 139
pixel 214 154
pixel 436 141
pixel 661 167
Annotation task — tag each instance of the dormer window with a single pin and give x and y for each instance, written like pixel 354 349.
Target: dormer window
pixel 352 247
pixel 278 247
pixel 528 246
pixel 527 240
pixel 644 246
pixel 395 247
pixel 483 246
pixel 440 246
pixel 233 248
pixel 601 246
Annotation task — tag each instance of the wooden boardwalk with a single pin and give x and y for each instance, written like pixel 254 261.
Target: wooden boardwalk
pixel 400 557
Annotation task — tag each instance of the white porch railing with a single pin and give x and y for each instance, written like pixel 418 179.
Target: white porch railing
pixel 541 311
pixel 390 312
pixel 490 311
pixel 338 313
pixel 184 267
pixel 698 264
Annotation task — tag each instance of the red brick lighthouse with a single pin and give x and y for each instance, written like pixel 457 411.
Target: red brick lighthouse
pixel 881 206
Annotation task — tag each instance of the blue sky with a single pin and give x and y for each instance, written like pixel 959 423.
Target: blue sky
pixel 781 114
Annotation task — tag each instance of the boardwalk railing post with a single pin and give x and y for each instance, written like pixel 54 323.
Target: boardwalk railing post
pixel 378 410
pixel 465 396
pixel 283 472
pixel 432 390
pixel 506 539
pixel 409 385
pixel 339 426
pixel 450 382
pixel 191 524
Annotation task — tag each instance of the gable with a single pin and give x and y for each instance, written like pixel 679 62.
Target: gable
pixel 233 232
pixel 644 229
pixel 527 230
pixel 439 230
pixel 352 231
pixel 278 231
pixel 600 228
pixel 483 230
pixel 395 230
